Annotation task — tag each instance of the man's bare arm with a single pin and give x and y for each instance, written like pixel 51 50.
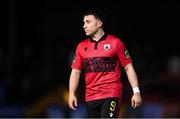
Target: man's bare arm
pixel 133 80
pixel 73 85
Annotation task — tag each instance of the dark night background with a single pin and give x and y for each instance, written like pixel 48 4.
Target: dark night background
pixel 41 37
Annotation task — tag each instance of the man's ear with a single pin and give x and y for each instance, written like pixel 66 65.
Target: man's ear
pixel 100 23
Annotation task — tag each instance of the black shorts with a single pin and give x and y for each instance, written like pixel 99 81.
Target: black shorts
pixel 103 108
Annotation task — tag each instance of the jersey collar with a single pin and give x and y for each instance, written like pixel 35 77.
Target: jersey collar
pixel 102 38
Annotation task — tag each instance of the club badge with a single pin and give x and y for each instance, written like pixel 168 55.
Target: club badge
pixel 107 46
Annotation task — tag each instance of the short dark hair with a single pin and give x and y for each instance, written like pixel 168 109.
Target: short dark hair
pixel 99 14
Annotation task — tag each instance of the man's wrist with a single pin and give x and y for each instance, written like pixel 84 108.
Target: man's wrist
pixel 136 90
pixel 71 93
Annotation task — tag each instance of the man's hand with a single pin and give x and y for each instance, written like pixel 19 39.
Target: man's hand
pixel 72 101
pixel 136 100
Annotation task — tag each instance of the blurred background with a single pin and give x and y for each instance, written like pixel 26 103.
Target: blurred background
pixel 41 37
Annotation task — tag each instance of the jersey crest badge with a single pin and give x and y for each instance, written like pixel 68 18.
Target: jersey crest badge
pixel 107 46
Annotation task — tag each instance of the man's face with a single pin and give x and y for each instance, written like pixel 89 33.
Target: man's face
pixel 91 25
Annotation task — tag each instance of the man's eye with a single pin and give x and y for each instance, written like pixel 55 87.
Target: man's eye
pixel 88 21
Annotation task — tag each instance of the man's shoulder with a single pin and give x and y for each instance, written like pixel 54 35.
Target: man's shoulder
pixel 83 42
pixel 113 37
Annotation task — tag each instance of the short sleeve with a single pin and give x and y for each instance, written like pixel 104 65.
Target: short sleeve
pixel 77 60
pixel 123 54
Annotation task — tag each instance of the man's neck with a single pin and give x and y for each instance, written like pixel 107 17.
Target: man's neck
pixel 97 36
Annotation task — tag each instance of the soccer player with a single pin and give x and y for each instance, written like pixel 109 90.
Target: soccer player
pixel 101 55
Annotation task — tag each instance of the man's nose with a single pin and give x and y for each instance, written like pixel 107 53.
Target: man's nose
pixel 84 26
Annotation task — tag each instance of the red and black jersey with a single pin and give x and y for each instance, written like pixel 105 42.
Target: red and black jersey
pixel 101 61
